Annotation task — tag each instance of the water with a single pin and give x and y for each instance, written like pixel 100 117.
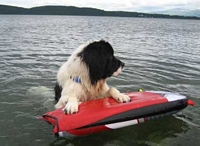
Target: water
pixel 160 54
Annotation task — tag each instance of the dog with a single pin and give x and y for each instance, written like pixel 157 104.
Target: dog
pixel 83 76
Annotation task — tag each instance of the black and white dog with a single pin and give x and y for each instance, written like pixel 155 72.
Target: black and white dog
pixel 83 76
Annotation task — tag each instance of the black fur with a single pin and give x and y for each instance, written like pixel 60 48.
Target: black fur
pixel 100 60
pixel 58 90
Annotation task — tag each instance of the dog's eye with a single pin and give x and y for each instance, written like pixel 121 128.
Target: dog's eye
pixel 111 58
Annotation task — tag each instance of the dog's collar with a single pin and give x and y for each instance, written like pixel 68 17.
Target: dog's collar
pixel 76 79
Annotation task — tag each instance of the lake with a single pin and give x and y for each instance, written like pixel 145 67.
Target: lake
pixel 160 54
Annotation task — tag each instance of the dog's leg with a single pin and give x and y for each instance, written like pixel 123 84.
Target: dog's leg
pixel 70 103
pixel 117 95
pixel 61 102
pixel 70 97
pixel 58 90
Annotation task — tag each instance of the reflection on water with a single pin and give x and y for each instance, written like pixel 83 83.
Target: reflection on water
pixel 150 133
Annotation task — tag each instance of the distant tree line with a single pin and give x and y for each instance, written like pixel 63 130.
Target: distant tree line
pixel 70 10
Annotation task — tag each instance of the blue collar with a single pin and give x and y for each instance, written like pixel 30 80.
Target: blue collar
pixel 77 79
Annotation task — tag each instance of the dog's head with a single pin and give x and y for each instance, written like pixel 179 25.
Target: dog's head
pixel 100 60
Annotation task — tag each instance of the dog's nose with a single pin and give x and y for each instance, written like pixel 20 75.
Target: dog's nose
pixel 122 64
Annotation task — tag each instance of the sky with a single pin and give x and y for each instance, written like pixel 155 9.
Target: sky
pixel 112 5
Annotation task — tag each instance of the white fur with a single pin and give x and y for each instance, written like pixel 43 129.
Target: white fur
pixel 74 93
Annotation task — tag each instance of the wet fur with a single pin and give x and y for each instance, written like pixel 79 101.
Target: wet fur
pixel 92 63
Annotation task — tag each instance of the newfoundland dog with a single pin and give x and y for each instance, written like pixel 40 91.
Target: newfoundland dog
pixel 83 76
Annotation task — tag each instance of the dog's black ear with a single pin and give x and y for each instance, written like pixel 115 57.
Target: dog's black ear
pixel 96 55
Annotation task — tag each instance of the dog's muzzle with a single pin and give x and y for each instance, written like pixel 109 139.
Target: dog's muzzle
pixel 122 65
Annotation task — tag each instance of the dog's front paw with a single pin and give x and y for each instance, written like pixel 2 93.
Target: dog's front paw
pixel 61 103
pixel 122 98
pixel 71 107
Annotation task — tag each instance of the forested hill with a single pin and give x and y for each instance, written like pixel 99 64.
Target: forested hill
pixel 70 10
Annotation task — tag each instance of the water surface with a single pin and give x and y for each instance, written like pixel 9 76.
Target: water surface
pixel 160 54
